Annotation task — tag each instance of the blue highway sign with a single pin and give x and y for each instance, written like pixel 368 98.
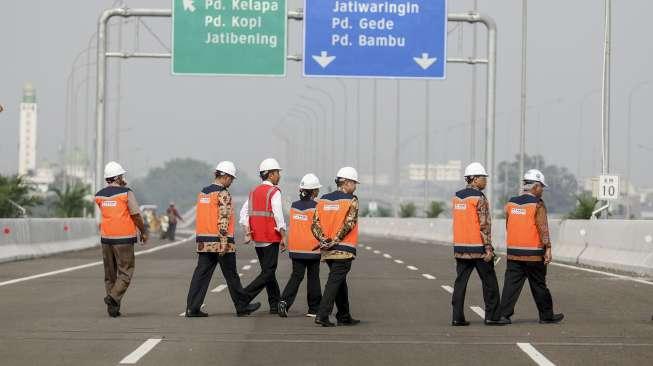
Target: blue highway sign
pixel 375 38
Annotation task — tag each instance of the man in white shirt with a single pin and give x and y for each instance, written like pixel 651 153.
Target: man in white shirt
pixel 262 218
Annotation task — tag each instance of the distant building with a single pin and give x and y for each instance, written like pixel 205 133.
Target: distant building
pixel 381 179
pixel 43 178
pixel 27 132
pixel 447 172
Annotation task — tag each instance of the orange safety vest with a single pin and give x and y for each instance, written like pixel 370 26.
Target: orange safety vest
pixel 466 226
pixel 332 210
pixel 207 216
pixel 522 237
pixel 261 218
pixel 117 226
pixel 301 242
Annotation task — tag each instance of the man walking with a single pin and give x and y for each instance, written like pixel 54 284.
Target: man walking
pixel 335 226
pixel 529 249
pixel 215 244
pixel 472 238
pixel 119 228
pixel 173 217
pixel 262 218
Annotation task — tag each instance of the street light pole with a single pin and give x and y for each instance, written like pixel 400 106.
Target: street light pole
pixel 316 136
pixel 397 175
pixel 605 115
pixel 427 127
pixel 522 129
pixel 323 149
pixel 333 124
pixel 358 124
pixel 311 119
pixel 374 122
pixel 472 116
pixel 305 118
pixel 345 122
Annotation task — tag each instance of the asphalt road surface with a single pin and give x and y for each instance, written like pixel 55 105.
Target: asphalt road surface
pixel 398 289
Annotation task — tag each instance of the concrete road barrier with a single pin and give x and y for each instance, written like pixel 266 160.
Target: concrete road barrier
pixel 31 238
pixel 623 245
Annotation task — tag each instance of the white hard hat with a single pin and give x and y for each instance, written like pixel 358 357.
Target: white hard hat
pixel 269 164
pixel 227 167
pixel 348 173
pixel 113 169
pixel 535 175
pixel 310 181
pixel 475 169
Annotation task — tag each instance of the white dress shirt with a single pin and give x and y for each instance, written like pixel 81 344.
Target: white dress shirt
pixel 277 212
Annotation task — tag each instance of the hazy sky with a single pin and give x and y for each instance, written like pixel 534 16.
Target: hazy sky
pixel 214 118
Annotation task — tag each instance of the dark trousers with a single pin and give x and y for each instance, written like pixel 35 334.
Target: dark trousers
pixel 119 264
pixel 485 270
pixel 172 231
pixel 313 294
pixel 206 263
pixel 267 279
pixel 516 274
pixel 336 291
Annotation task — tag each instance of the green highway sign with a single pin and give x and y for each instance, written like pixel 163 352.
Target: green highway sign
pixel 229 37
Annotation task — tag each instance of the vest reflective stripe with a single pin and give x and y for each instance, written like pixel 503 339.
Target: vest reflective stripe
pixel 261 218
pixel 117 226
pixel 261 214
pixel 332 210
pixel 466 226
pixel 522 237
pixel 301 242
pixel 207 216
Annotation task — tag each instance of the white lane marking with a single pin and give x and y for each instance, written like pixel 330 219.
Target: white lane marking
pixel 412 268
pixel 141 351
pixel 70 269
pixel 87 265
pixel 386 255
pixel 449 289
pixel 428 276
pixel 622 277
pixel 247 267
pixel 534 354
pixel 165 246
pixel 377 252
pixel 368 248
pixel 480 312
pixel 253 261
pixel 399 261
pixel 183 313
pixel 219 288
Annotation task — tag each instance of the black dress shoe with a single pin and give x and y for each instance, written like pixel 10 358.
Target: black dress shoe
pixel 324 322
pixel 249 309
pixel 274 309
pixel 196 314
pixel 113 308
pixel 556 318
pixel 459 323
pixel 349 322
pixel 502 321
pixel 283 309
